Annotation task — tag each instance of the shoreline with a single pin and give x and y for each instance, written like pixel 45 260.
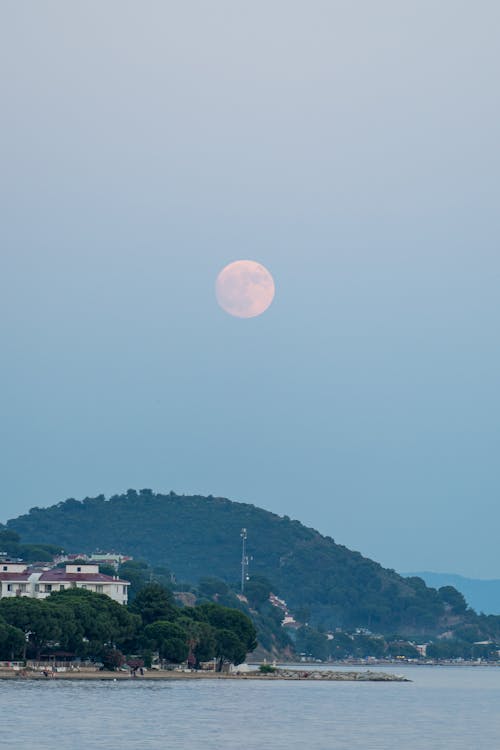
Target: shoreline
pixel 302 675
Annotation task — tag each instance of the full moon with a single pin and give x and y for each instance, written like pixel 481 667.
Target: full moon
pixel 244 289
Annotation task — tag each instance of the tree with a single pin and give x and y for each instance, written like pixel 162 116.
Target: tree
pixel 452 649
pixel 312 643
pixel 365 645
pixel 453 598
pixel 257 591
pixel 9 540
pixel 485 651
pixel 12 641
pixel 70 628
pixel 34 619
pixel 209 587
pixel 224 618
pixel 112 659
pixel 140 574
pixel 228 648
pixel 154 602
pixel 200 640
pixel 100 620
pixel 234 634
pixel 170 639
pixel 403 648
pixel 340 646
pixel 174 650
pixel 38 552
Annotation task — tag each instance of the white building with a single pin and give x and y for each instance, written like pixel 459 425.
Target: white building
pixel 115 559
pixel 109 558
pixel 16 579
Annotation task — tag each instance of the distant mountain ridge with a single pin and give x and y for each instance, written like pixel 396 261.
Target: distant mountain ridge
pixel 195 536
pixel 481 594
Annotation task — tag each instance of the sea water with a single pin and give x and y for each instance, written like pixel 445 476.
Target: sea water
pixel 443 708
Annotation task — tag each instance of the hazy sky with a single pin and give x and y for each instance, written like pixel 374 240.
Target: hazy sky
pixel 353 149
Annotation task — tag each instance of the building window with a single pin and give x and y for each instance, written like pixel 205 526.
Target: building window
pixel 37 587
pixel 61 587
pixel 48 587
pixel 9 587
pixel 84 585
pixel 99 588
pixel 78 570
pixel 5 567
pixel 124 590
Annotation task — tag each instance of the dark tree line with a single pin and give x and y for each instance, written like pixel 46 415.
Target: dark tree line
pixel 81 624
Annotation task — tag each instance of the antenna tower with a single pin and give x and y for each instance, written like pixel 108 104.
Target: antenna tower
pixel 244 559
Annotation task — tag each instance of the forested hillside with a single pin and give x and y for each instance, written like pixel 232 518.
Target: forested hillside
pixel 324 582
pixel 482 595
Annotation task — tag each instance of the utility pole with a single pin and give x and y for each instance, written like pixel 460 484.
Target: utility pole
pixel 244 559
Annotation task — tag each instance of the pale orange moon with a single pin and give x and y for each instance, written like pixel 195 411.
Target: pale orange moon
pixel 244 289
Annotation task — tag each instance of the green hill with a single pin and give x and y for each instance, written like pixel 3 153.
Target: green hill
pixel 483 595
pixel 323 582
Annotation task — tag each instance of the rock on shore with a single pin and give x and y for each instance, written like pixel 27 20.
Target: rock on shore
pixel 336 676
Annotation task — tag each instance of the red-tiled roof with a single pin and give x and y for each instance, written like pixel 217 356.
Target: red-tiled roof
pixel 58 575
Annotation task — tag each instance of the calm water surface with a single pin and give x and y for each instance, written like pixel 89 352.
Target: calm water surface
pixel 453 708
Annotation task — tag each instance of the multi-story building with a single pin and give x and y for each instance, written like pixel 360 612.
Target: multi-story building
pixel 16 579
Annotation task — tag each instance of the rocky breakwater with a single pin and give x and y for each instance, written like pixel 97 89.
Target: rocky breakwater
pixel 320 675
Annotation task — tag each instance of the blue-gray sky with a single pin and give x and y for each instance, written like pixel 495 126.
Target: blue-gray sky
pixel 352 148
